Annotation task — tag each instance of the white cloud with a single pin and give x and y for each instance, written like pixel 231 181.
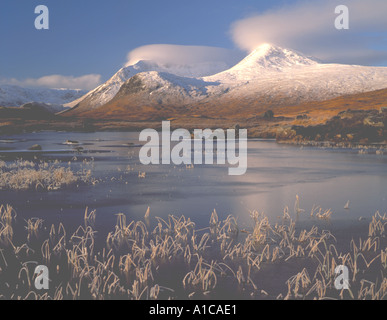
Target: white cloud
pixel 86 82
pixel 183 55
pixel 308 27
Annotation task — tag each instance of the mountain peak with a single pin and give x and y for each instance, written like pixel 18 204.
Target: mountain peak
pixel 271 57
pixel 267 47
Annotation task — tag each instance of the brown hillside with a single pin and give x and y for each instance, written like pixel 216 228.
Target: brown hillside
pixel 132 108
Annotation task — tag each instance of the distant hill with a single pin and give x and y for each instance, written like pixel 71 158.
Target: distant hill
pixel 29 111
pixel 15 96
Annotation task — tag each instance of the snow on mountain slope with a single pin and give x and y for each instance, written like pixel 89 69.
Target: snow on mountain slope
pixel 158 86
pixel 265 59
pixel 15 96
pixel 106 92
pixel 268 76
pixel 273 71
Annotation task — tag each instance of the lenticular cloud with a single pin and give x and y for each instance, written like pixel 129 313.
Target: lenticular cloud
pixel 184 55
pixel 309 27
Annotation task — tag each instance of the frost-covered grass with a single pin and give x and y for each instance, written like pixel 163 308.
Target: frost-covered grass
pixel 176 260
pixel 28 175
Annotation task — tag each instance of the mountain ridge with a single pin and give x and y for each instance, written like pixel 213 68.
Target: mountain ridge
pixel 15 96
pixel 106 92
pixel 270 76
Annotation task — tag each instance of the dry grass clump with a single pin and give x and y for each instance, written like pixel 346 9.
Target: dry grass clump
pixel 175 260
pixel 7 214
pixel 27 175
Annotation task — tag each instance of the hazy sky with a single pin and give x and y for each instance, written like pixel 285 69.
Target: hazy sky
pixel 89 40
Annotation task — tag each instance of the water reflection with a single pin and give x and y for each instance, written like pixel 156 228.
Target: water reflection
pixel 275 175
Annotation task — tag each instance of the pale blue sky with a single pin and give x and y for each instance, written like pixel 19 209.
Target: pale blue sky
pixel 95 37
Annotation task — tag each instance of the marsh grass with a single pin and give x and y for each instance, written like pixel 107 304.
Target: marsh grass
pixel 7 214
pixel 48 176
pixel 175 260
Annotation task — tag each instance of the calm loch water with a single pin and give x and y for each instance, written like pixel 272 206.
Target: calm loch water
pixel 276 174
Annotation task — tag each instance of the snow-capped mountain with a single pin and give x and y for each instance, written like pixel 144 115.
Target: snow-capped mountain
pixel 106 92
pixel 54 99
pixel 268 58
pixel 269 76
pixel 271 71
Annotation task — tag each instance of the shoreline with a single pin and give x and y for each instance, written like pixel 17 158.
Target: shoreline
pixel 360 129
